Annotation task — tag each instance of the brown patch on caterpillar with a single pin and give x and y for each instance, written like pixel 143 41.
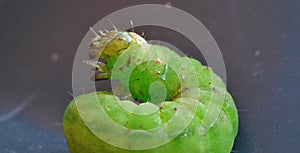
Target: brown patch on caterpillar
pixel 129 146
pixel 129 61
pixel 141 92
pixel 138 60
pixel 214 89
pixel 158 61
pixel 176 93
pixel 160 108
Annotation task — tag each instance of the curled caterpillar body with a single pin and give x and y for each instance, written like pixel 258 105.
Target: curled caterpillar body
pixel 163 83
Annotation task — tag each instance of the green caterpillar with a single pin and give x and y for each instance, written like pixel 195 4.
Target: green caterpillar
pixel 155 84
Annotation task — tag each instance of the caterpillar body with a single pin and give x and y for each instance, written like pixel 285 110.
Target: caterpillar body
pixel 153 77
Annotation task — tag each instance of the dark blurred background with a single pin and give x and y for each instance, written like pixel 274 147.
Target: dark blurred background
pixel 259 41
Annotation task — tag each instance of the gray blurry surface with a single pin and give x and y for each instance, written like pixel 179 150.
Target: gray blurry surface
pixel 258 39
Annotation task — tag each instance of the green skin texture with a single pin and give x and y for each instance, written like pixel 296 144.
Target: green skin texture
pixel 177 85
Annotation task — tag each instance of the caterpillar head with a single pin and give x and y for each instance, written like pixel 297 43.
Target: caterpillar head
pixel 112 43
pixel 108 46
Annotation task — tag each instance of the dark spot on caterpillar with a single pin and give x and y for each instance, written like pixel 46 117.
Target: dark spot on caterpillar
pixel 127 64
pixel 176 93
pixel 141 92
pixel 214 89
pixel 185 89
pixel 175 108
pixel 129 61
pixel 138 79
pixel 182 68
pixel 137 101
pixel 172 97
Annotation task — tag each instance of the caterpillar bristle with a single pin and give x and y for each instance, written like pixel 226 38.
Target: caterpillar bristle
pixel 93 63
pixel 115 27
pixel 94 32
pixel 131 23
pixel 102 33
